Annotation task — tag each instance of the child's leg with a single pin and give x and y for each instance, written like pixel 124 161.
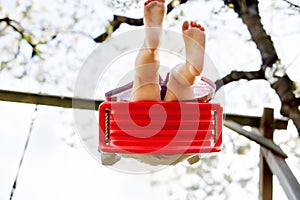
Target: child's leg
pixel 145 86
pixel 183 75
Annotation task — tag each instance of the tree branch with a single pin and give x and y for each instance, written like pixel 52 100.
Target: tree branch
pixel 16 26
pixel 248 12
pixel 118 20
pixel 238 75
pixel 289 103
pixel 292 4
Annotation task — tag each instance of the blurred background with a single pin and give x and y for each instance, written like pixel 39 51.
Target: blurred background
pixel 43 46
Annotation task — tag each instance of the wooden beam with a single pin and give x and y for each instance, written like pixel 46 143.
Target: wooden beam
pixel 49 100
pixel 70 102
pixel 266 175
pixel 284 174
pixel 267 143
pixel 254 121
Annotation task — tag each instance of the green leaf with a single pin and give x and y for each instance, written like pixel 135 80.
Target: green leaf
pixel 109 29
pixel 27 38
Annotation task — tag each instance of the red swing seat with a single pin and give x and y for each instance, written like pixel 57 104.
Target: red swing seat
pixel 160 127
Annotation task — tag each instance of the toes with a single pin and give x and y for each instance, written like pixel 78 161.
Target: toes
pixel 201 28
pixel 149 1
pixel 185 26
pixel 195 25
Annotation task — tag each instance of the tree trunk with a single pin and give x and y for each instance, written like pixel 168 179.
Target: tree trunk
pixel 248 12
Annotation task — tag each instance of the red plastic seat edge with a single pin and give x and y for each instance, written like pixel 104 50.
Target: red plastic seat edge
pixel 106 146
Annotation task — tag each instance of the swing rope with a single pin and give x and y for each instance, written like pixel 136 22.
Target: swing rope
pixel 33 119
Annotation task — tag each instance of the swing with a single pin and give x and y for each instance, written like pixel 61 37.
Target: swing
pixel 160 127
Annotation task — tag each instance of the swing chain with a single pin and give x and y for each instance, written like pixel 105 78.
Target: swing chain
pixel 215 125
pixel 106 126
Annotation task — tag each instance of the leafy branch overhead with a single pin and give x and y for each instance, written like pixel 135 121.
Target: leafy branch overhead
pixel 118 20
pixel 248 11
pixel 17 27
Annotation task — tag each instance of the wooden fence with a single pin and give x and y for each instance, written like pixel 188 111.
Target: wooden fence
pixel 272 158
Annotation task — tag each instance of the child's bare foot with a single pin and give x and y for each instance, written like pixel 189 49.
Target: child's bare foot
pixel 154 13
pixel 183 75
pixel 194 39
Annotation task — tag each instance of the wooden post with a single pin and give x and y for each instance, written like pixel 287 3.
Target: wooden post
pixel 266 176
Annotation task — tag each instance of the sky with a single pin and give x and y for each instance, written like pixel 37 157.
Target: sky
pixel 56 163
